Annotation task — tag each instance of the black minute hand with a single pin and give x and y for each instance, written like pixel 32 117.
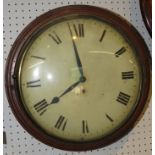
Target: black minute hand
pixel 77 56
pixel 56 99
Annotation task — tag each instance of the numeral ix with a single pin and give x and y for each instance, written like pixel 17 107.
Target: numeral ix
pixel 78 30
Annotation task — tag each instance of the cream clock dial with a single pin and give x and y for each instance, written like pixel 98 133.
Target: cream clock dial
pixel 92 108
pixel 78 77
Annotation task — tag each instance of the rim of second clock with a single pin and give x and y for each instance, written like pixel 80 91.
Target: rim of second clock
pixel 12 68
pixel 146 11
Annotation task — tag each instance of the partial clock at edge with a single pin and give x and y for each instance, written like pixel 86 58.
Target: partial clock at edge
pixel 146 10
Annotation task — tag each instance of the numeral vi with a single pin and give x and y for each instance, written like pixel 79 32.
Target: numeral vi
pixel 85 128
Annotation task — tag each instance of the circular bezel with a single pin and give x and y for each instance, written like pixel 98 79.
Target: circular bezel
pixel 13 63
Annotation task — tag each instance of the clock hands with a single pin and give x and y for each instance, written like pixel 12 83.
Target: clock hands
pixel 82 79
pixel 56 99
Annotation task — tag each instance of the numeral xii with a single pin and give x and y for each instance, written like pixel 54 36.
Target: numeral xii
pixel 79 30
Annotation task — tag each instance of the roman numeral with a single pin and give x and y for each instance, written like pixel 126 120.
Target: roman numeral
pixel 55 38
pixel 120 51
pixel 41 107
pixel 102 36
pixel 123 98
pixel 85 128
pixel 109 118
pixel 37 57
pixel 61 123
pixel 79 30
pixel 127 75
pixel 35 83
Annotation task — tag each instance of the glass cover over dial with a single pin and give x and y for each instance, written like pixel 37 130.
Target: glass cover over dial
pixel 79 79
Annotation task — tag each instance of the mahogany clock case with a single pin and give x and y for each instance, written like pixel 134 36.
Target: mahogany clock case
pixel 30 32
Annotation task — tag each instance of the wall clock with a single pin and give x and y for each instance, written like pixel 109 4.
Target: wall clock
pixel 78 77
pixel 146 10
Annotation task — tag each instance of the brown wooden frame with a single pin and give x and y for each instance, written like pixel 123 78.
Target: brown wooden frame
pixel 12 66
pixel 146 10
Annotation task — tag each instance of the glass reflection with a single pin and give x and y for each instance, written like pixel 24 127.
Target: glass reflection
pixel 50 76
pixel 36 73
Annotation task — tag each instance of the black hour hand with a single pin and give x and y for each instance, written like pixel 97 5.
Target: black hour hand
pixel 57 99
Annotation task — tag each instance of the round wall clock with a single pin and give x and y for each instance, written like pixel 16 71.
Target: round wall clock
pixel 78 77
pixel 146 10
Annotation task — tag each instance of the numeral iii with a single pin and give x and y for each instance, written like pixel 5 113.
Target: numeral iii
pixel 127 75
pixel 123 98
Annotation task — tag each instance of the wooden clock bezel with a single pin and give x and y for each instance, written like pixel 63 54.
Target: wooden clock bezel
pixel 146 10
pixel 12 66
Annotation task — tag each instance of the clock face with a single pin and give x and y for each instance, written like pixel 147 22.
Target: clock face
pixel 79 79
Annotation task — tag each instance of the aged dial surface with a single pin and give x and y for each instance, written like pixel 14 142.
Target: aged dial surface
pixel 80 79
